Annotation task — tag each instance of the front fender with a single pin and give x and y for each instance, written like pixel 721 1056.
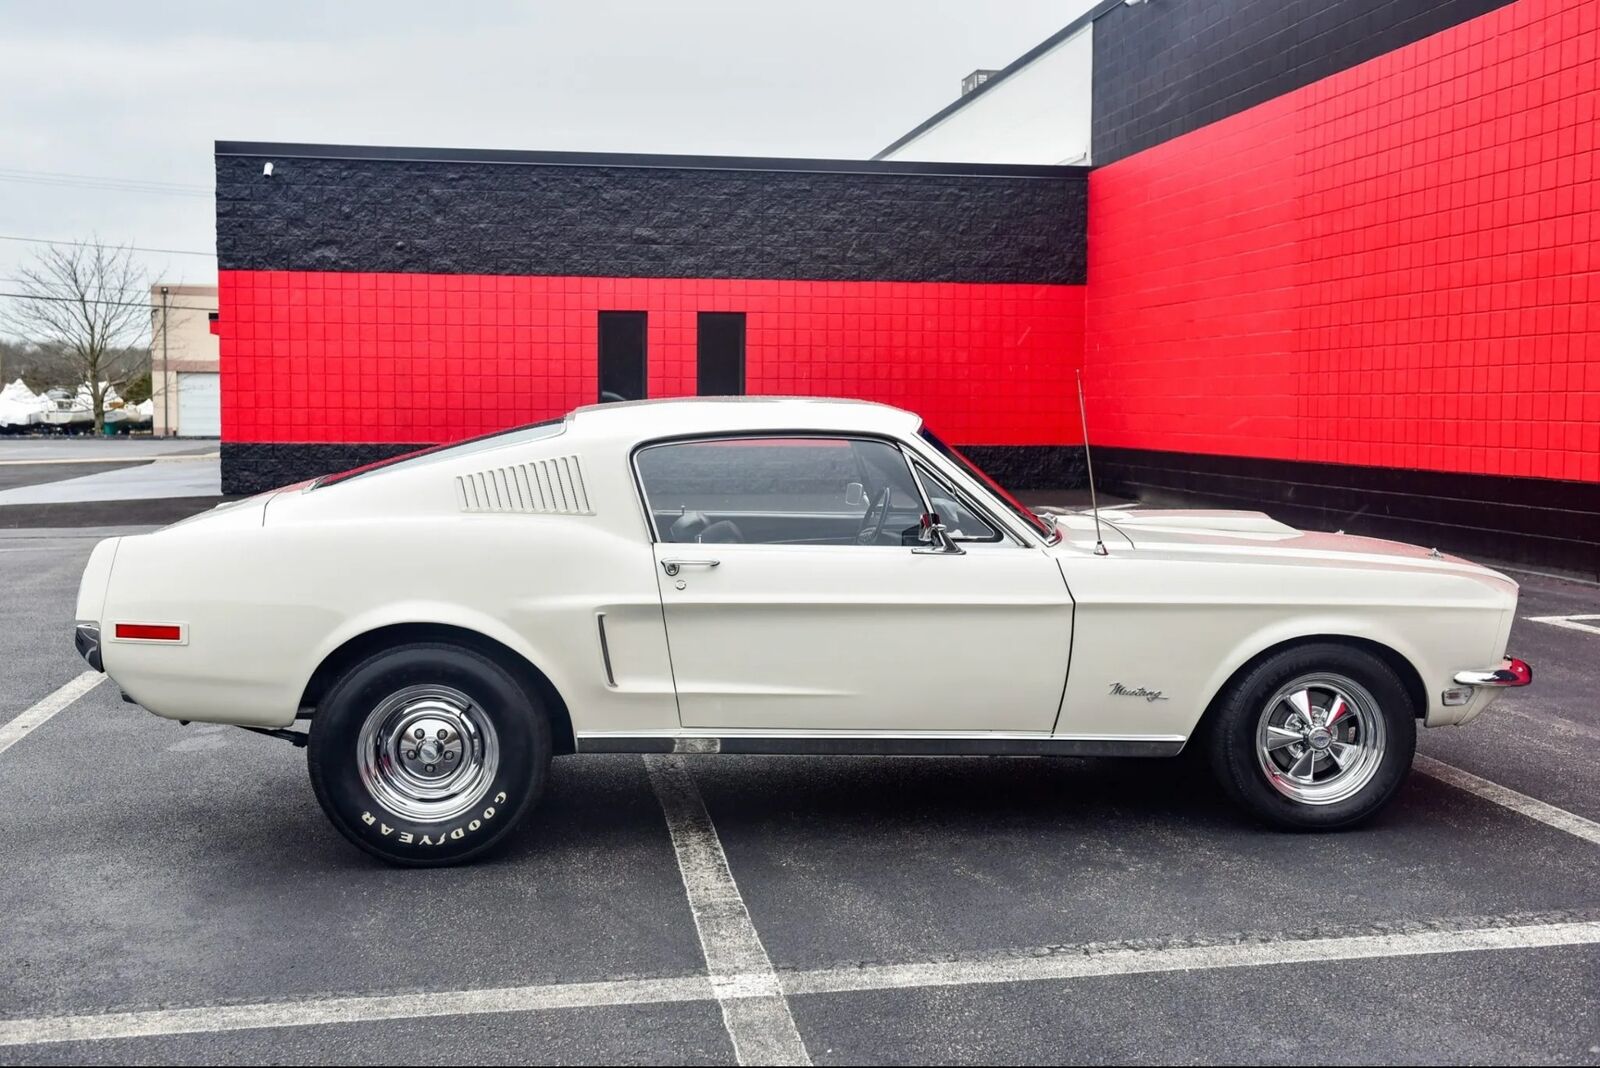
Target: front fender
pixel 1301 630
pixel 1147 668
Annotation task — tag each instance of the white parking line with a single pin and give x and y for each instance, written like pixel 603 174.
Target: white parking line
pixel 754 1009
pixel 76 460
pixel 309 1012
pixel 1505 797
pixel 1579 579
pixel 136 461
pixel 1574 622
pixel 1557 724
pixel 14 731
pixel 1084 962
pixel 1016 966
pixel 1568 622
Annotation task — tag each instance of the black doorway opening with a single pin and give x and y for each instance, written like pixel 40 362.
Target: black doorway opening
pixel 720 343
pixel 622 356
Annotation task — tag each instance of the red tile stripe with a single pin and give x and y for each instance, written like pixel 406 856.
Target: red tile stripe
pixel 347 357
pixel 1394 266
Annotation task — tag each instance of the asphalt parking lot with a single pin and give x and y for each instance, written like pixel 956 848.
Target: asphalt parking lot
pixel 86 481
pixel 174 894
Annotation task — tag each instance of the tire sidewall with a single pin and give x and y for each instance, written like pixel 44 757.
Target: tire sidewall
pixel 1233 739
pixel 522 734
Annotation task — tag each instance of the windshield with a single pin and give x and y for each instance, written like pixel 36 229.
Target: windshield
pixel 531 432
pixel 1043 527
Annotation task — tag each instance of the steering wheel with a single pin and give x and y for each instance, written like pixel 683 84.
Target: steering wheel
pixel 870 528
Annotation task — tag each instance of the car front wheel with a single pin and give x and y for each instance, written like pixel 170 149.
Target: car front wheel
pixel 1315 737
pixel 427 754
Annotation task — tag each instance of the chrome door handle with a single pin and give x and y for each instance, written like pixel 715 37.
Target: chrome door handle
pixel 672 567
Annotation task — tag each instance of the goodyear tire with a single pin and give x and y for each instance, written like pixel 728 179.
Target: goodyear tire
pixel 1315 737
pixel 428 754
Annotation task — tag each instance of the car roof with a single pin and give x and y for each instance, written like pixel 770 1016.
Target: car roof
pixel 670 417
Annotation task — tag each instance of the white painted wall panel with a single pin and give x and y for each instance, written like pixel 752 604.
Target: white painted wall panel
pixel 199 405
pixel 1039 114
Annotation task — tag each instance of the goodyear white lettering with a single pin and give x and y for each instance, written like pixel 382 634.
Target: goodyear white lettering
pixel 454 834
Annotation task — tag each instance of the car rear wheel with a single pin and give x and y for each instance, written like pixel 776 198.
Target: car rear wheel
pixel 427 754
pixel 1314 737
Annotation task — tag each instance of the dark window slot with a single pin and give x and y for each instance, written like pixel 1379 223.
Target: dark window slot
pixel 622 356
pixel 720 340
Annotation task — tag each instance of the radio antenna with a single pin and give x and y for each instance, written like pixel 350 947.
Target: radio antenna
pixel 1088 460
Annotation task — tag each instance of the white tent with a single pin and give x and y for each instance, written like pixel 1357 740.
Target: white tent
pixel 18 403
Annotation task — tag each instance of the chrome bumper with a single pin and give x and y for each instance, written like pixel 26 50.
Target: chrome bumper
pixel 86 638
pixel 1511 672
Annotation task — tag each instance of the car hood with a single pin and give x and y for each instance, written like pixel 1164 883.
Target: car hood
pixel 1251 536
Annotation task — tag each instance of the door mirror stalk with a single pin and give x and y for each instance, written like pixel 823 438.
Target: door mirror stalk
pixel 935 538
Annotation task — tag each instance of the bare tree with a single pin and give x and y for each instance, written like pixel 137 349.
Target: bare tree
pixel 90 302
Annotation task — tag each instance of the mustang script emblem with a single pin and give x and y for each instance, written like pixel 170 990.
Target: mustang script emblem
pixel 1119 690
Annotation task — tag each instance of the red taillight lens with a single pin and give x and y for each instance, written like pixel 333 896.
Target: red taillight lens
pixel 150 632
pixel 1520 669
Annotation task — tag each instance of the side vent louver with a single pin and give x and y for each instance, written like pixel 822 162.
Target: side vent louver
pixel 543 487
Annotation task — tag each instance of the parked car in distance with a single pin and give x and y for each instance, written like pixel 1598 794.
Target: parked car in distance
pixel 769 575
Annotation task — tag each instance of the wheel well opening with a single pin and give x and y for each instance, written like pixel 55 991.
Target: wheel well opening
pixel 1408 674
pixel 534 681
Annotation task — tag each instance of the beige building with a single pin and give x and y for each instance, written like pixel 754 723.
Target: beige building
pixel 184 378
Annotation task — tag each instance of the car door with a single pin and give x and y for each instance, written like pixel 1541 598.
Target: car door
pixel 796 599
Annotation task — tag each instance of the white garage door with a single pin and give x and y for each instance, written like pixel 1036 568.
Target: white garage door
pixel 199 406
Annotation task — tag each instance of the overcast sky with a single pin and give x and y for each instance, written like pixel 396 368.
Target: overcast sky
pixel 137 93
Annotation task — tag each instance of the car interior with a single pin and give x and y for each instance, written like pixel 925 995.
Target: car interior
pixel 795 491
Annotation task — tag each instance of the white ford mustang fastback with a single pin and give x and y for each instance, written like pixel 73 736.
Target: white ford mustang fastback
pixel 774 576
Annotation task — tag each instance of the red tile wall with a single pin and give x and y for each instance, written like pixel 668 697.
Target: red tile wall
pixel 1393 266
pixel 343 357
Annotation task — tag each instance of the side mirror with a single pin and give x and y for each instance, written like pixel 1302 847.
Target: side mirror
pixel 935 538
pixel 855 495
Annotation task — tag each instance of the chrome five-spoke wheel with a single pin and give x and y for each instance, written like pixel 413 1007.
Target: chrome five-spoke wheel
pixel 428 753
pixel 1320 739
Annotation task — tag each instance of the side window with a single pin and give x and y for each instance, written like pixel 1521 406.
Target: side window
pixel 781 491
pixel 960 518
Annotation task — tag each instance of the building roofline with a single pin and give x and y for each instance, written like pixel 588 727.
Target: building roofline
pixel 185 289
pixel 290 150
pixel 1005 72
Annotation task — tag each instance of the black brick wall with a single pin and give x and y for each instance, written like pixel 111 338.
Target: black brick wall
pixel 1167 67
pixel 252 467
pixel 1030 467
pixel 256 468
pixel 675 217
pixel 1544 522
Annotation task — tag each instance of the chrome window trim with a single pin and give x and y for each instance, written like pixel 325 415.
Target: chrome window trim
pixel 979 493
pixel 1021 535
pixel 1001 535
pixel 743 435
